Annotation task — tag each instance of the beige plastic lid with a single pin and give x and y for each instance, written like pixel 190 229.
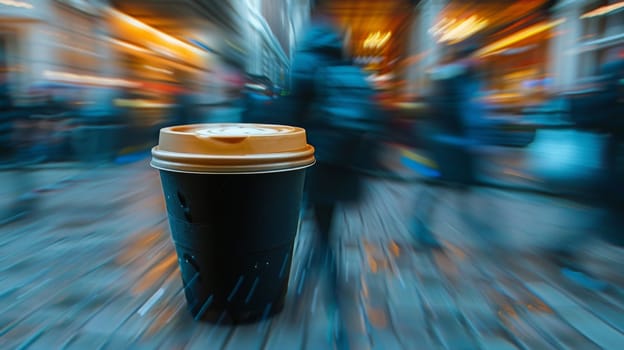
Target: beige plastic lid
pixel 232 148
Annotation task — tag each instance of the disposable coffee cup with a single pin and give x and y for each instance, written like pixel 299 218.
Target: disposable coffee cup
pixel 233 193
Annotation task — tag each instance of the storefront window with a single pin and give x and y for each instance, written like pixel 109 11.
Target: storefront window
pixel 516 75
pixel 593 27
pixel 602 32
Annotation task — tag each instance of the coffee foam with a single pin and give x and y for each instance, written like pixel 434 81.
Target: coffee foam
pixel 237 130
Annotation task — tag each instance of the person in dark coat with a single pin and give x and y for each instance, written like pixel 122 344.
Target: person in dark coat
pixel 457 114
pixel 12 147
pixel 183 109
pixel 7 146
pixel 609 100
pixel 455 128
pixel 331 180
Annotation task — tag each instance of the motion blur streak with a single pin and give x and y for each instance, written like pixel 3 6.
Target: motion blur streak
pixel 468 190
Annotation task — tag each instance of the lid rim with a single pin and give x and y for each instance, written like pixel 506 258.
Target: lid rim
pixel 230 171
pixel 209 160
pixel 185 148
pixel 158 153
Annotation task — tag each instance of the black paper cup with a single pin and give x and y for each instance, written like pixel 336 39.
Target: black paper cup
pixel 234 234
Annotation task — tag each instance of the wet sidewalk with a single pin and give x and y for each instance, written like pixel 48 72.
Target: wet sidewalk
pixel 94 268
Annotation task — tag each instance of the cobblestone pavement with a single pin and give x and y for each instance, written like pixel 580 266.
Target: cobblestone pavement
pixel 94 268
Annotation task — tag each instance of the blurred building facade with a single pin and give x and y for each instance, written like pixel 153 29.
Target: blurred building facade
pixel 529 49
pixel 421 47
pixel 209 45
pixel 41 46
pixel 592 34
pixel 272 28
pixel 153 43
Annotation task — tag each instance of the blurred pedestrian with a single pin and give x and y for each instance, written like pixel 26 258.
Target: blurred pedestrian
pixel 611 104
pixel 454 130
pixel 6 118
pixel 457 114
pixel 608 99
pixel 331 99
pixel 14 156
pixel 183 111
pixel 335 107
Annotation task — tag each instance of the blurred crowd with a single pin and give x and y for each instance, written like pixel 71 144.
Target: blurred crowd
pixel 347 123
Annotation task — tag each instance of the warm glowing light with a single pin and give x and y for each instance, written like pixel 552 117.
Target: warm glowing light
pixel 381 77
pixel 139 103
pixel 521 74
pixel 14 3
pixel 162 50
pixel 516 37
pixel 377 40
pixel 86 79
pixel 454 31
pixel 133 21
pixel 443 25
pixel 168 38
pixel 603 10
pixel 156 69
pixel 128 45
